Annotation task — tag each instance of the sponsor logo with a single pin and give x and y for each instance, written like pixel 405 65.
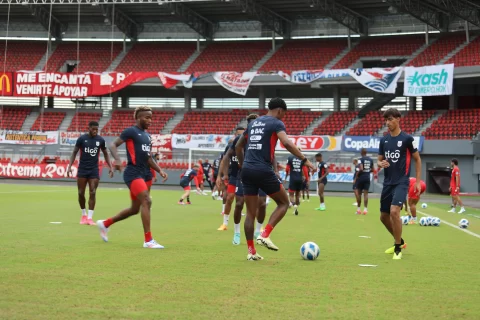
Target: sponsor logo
pixel 428 79
pixel 372 143
pixel 6 87
pixel 91 151
pixel 393 155
pixel 145 148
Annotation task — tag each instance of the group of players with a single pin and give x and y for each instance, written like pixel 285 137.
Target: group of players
pixel 250 172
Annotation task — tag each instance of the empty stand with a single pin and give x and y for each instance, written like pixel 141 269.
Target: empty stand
pixel 468 56
pixel 214 122
pixel 413 120
pixel 335 123
pixel 296 121
pixel 13 118
pixel 381 47
pixel 124 119
pixel 81 119
pixel 304 55
pixel 51 121
pixel 230 56
pixel 369 125
pixel 156 56
pixel 22 55
pixel 438 50
pixel 455 124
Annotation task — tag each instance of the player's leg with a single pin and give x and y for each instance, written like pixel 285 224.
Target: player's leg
pixel 358 196
pixel 399 195
pixel 365 200
pixel 307 190
pixel 297 201
pixel 81 186
pixel 261 212
pixel 460 202
pixel 237 217
pixel 232 186
pixel 321 189
pixel 386 199
pixel 92 188
pixel 251 202
pixel 412 205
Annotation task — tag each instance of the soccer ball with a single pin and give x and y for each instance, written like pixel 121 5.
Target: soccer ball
pixel 429 221
pixel 424 206
pixel 435 222
pixel 423 222
pixel 463 224
pixel 309 251
pixel 405 219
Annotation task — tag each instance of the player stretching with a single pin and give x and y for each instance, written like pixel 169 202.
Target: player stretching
pixel 322 180
pixel 185 178
pixel 363 181
pixel 455 187
pixel 295 170
pixel 207 168
pixel 139 160
pixel 199 178
pixel 395 153
pixel 413 198
pixel 89 146
pixel 257 172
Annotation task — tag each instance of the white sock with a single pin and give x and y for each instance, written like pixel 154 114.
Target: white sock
pixel 226 217
pixel 322 204
pixel 365 209
pixel 237 228
pixel 258 228
pixel 84 212
pixel 295 206
pixel 462 208
pixel 90 214
pixel 223 208
pixel 358 208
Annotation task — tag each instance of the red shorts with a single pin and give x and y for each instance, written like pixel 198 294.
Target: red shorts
pixel 187 188
pixel 225 182
pixel 149 183
pixel 454 192
pixel 136 187
pixel 412 192
pixel 231 188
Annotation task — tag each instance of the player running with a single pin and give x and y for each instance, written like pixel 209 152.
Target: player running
pixel 215 169
pixel 89 146
pixel 394 156
pixel 199 178
pixel 363 181
pixel 322 170
pixel 354 182
pixel 455 187
pixel 138 147
pixel 413 198
pixel 185 179
pixel 257 172
pixel 297 178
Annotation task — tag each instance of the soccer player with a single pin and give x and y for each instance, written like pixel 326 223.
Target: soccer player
pixel 199 178
pixel 185 178
pixel 455 187
pixel 354 182
pixel 295 170
pixel 413 198
pixel 261 138
pixel 322 170
pixel 229 170
pixel 395 153
pixel 363 181
pixel 207 168
pixel 89 146
pixel 216 167
pixel 306 185
pixel 138 147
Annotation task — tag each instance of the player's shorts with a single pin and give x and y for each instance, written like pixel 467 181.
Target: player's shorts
pixel 254 180
pixel 324 181
pixel 89 174
pixel 136 187
pixel 232 184
pixel 412 192
pixel 215 176
pixel 239 190
pixel 354 186
pixel 294 186
pixel 200 178
pixel 393 195
pixel 149 183
pixel 454 193
pixel 185 185
pixel 363 184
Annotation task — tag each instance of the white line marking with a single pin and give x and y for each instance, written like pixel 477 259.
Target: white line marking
pixel 366 237
pixel 453 226
pixel 34 191
pixel 368 265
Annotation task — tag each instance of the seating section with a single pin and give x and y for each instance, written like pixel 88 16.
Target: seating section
pixel 455 124
pixel 381 47
pixel 438 50
pixel 230 56
pixel 155 56
pixel 296 121
pixel 369 125
pixel 22 55
pixel 304 55
pixel 50 121
pixel 13 118
pixel 93 56
pixel 81 119
pixel 413 120
pixel 468 56
pixel 214 122
pixel 335 123
pixel 124 119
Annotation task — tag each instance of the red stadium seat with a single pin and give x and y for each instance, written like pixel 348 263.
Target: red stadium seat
pixel 124 119
pixel 335 123
pixel 454 125
pixel 13 118
pixel 50 121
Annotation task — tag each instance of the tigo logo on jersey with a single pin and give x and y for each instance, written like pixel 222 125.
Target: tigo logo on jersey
pixel 429 80
pixel 91 151
pixel 394 156
pixel 145 148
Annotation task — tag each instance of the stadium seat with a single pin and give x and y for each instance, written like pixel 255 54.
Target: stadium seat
pixel 369 125
pixel 335 123
pixel 438 50
pixel 210 122
pixel 13 118
pixel 413 120
pixel 455 124
pixel 22 55
pixel 468 56
pixel 123 119
pixel 296 121
pixel 50 121
pixel 81 119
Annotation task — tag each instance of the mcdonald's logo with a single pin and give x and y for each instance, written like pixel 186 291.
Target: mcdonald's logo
pixel 6 84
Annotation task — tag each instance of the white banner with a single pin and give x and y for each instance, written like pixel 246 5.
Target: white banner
pixel 205 141
pixel 233 81
pixel 31 138
pixel 308 76
pixel 428 81
pixel 331 177
pixel 69 138
pixel 378 79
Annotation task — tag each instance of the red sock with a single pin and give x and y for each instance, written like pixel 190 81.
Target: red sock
pixel 267 231
pixel 148 236
pixel 107 223
pixel 251 247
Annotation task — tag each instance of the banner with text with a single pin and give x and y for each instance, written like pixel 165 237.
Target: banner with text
pixel 162 143
pixel 6 84
pixel 315 143
pixel 201 141
pixel 69 138
pixel 357 143
pixel 33 137
pixel 378 79
pixel 234 81
pixel 308 76
pixel 26 171
pixel 428 81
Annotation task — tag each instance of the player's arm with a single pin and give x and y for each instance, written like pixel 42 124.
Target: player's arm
pixel 325 174
pixel 287 172
pixel 224 164
pixel 157 168
pixel 72 158
pixel 239 149
pixel 381 162
pixel 457 180
pixel 106 156
pixel 292 148
pixel 114 151
pixel 418 164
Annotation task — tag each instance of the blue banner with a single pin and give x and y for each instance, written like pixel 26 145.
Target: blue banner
pixel 357 143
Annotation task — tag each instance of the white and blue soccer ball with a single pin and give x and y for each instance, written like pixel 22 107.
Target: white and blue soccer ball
pixel 429 221
pixel 309 251
pixel 463 223
pixel 423 221
pixel 435 222
pixel 424 205
pixel 405 219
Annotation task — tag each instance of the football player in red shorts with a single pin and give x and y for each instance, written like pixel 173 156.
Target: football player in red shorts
pixel 455 187
pixel 413 198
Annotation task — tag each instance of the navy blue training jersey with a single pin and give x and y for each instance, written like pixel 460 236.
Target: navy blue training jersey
pixel 398 152
pixel 89 148
pixel 261 137
pixel 233 168
pixel 138 144
pixel 367 164
pixel 188 176
pixel 321 169
pixel 216 164
pixel 206 168
pixel 357 170
pixel 296 168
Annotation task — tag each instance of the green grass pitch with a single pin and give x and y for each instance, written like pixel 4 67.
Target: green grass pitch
pixel 65 271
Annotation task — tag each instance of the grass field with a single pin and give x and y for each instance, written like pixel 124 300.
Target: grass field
pixel 65 271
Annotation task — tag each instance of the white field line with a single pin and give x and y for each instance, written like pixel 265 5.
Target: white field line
pixel 453 226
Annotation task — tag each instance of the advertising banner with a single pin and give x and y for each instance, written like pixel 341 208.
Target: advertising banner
pixel 162 143
pixel 234 81
pixel 308 76
pixel 315 143
pixel 428 80
pixel 357 143
pixel 6 84
pixel 201 141
pixel 69 138
pixel 331 177
pixel 47 171
pixel 378 79
pixel 31 138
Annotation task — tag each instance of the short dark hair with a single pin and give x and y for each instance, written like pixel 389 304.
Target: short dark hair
pixel 318 155
pixel 251 117
pixel 455 161
pixel 140 109
pixel 363 151
pixel 392 112
pixel 276 103
pixel 240 128
pixel 93 124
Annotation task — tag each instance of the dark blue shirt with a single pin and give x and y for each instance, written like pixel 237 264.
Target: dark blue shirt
pixel 296 168
pixel 216 164
pixel 322 168
pixel 149 173
pixel 261 137
pixel 89 148
pixel 188 176
pixel 367 164
pixel 398 152
pixel 138 145
pixel 357 170
pixel 206 168
pixel 233 168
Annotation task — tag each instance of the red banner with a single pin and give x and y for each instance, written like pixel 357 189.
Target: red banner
pixel 162 143
pixel 6 84
pixel 45 171
pixel 314 143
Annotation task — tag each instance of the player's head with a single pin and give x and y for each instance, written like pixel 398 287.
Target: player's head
pixel 157 156
pixel 239 130
pixel 277 108
pixel 363 152
pixel 200 161
pixel 392 118
pixel 206 160
pixel 251 117
pixel 196 166
pixel 454 162
pixel 318 157
pixel 93 128
pixel 355 161
pixel 143 116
